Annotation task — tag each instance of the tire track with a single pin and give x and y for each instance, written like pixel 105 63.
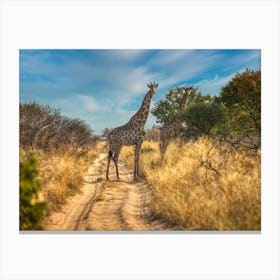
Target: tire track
pixel 85 212
pixel 115 205
pixel 76 208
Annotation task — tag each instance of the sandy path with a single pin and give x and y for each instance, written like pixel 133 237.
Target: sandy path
pixel 107 205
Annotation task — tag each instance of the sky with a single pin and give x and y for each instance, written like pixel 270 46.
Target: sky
pixel 106 87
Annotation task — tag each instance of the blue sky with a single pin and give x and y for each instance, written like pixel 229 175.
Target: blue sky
pixel 106 87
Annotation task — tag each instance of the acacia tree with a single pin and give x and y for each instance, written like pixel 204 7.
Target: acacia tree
pixel 241 98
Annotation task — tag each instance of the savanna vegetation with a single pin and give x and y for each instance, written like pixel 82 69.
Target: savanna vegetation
pixel 233 116
pixel 203 184
pixel 210 178
pixel 55 152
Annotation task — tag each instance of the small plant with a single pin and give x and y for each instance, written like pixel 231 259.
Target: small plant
pixel 147 149
pixel 32 210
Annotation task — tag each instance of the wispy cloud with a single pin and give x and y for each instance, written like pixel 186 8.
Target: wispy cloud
pixel 89 104
pixel 212 86
pixel 106 87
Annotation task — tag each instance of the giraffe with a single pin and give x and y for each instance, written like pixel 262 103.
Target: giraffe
pixel 132 133
pixel 172 129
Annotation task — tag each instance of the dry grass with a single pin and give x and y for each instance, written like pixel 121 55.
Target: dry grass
pixel 203 185
pixel 62 173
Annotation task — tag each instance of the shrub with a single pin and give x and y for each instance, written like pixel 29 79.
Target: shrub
pixel 43 127
pixel 201 119
pixel 31 208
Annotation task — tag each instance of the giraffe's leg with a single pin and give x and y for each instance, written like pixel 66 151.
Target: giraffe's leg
pixel 136 161
pixel 115 159
pixel 163 147
pixel 108 164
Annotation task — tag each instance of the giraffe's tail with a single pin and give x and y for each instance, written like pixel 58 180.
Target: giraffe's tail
pixel 110 154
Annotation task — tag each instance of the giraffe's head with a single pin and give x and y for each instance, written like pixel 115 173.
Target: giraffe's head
pixel 188 90
pixel 185 97
pixel 152 87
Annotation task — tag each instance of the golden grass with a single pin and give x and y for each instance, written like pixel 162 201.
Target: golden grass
pixel 62 173
pixel 203 185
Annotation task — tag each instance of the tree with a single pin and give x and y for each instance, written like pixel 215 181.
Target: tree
pixel 35 123
pixel 106 132
pixel 165 110
pixel 241 98
pixel 201 118
pixel 201 114
pixel 45 128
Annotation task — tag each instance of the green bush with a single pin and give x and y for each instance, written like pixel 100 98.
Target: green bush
pixel 202 118
pixel 31 209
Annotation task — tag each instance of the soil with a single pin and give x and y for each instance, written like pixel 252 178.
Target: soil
pixel 114 205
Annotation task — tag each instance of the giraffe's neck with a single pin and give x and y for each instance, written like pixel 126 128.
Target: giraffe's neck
pixel 183 102
pixel 142 114
pixel 174 120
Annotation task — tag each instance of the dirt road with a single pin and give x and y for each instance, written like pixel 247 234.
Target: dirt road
pixel 108 205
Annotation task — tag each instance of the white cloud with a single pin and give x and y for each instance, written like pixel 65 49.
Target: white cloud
pixel 213 86
pixel 89 104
